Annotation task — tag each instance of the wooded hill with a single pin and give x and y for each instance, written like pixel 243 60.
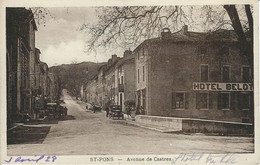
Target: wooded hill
pixel 72 76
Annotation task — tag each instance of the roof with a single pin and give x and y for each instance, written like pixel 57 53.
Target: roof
pixel 221 35
pixel 125 59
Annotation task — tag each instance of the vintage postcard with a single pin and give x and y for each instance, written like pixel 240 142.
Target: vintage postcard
pixel 129 82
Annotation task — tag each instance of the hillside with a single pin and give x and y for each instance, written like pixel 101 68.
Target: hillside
pixel 72 76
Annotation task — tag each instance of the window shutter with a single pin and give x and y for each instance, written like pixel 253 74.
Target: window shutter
pixel 219 101
pixel 187 96
pixel 197 100
pixel 233 100
pixel 173 100
pixel 210 100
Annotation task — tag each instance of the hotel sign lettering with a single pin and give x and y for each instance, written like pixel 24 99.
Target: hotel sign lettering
pixel 211 86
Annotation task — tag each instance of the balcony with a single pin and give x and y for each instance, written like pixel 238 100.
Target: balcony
pixel 121 87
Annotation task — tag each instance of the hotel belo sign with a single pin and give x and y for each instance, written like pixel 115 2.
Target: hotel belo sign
pixel 213 86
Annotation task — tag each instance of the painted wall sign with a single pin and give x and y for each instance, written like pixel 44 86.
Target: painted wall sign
pixel 212 86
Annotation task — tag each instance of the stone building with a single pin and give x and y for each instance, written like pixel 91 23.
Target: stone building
pixel 110 78
pixel 125 79
pixel 115 81
pixel 27 76
pixel 194 75
pixel 20 43
pixel 53 87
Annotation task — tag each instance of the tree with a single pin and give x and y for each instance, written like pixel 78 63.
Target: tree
pixel 246 48
pixel 129 25
pixel 40 14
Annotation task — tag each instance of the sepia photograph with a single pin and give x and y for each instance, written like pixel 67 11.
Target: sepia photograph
pixel 121 83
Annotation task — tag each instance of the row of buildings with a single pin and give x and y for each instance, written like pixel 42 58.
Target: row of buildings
pixel 29 83
pixel 183 74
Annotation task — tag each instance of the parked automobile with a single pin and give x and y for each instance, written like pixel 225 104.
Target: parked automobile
pixel 52 110
pixel 93 107
pixel 115 111
pixel 56 110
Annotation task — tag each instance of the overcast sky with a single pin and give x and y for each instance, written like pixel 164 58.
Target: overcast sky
pixel 60 41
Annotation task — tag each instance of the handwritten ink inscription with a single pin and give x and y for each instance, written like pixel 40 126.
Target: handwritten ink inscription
pixel 205 158
pixel 36 159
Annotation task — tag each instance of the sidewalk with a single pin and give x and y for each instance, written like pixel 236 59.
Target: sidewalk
pixel 27 134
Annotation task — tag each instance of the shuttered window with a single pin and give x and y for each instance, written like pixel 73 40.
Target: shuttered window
pixel 226 73
pixel 204 72
pixel 244 101
pixel 180 100
pixel 246 74
pixel 202 101
pixel 224 101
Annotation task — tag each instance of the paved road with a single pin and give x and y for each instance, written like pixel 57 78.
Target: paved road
pixel 92 133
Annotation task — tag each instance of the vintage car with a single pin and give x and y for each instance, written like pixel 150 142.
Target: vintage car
pixel 56 110
pixel 93 107
pixel 115 111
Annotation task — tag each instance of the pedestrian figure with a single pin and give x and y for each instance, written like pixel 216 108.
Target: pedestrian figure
pixel 128 111
pixel 107 108
pixel 94 109
pixel 65 111
pixel 142 110
pixel 107 111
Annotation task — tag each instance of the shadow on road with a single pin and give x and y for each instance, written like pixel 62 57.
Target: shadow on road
pixel 27 135
pixel 68 117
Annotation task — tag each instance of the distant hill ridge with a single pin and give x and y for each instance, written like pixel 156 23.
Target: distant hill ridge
pixel 72 76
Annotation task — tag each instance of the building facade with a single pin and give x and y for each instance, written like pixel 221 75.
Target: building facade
pixel 20 42
pixel 115 82
pixel 125 79
pixel 194 75
pixel 27 76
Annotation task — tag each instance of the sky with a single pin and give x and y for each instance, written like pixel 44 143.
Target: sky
pixel 60 41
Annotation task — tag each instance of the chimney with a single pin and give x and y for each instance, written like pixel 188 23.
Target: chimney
pixel 114 58
pixel 184 30
pixel 127 53
pixel 166 33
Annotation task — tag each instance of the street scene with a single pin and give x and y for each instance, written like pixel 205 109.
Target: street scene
pixel 130 80
pixel 91 133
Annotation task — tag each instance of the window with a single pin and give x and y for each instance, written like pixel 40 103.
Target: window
pixel 138 75
pixel 245 101
pixel 202 101
pixel 204 72
pixel 122 80
pixel 226 73
pixel 179 103
pixel 138 55
pixel 143 73
pixel 180 100
pixel 245 74
pixel 224 101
